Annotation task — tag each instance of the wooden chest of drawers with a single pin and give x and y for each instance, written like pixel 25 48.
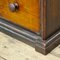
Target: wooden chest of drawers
pixel 35 22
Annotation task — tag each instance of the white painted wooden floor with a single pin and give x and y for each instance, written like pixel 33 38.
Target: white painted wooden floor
pixel 12 49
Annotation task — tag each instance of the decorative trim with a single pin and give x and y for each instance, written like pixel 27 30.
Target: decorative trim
pixel 43 18
pixel 46 46
pixel 33 39
pixel 16 31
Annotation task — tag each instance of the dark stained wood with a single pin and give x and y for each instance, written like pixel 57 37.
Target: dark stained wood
pixel 53 17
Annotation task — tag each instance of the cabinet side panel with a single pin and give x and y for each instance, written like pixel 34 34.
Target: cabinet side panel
pixel 53 17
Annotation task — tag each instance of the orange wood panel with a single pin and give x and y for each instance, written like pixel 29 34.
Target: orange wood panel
pixel 28 14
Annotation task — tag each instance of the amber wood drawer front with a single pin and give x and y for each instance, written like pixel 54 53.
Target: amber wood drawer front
pixel 27 14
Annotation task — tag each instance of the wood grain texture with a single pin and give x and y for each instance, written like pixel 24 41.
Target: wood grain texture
pixel 28 14
pixel 42 16
pixel 35 15
pixel 53 17
pixel 50 17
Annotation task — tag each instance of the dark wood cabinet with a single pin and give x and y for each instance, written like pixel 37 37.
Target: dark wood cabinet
pixel 35 22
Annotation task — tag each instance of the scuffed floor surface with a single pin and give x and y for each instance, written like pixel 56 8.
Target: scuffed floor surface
pixel 12 49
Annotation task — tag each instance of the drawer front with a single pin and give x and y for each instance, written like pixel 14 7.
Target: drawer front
pixel 26 13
